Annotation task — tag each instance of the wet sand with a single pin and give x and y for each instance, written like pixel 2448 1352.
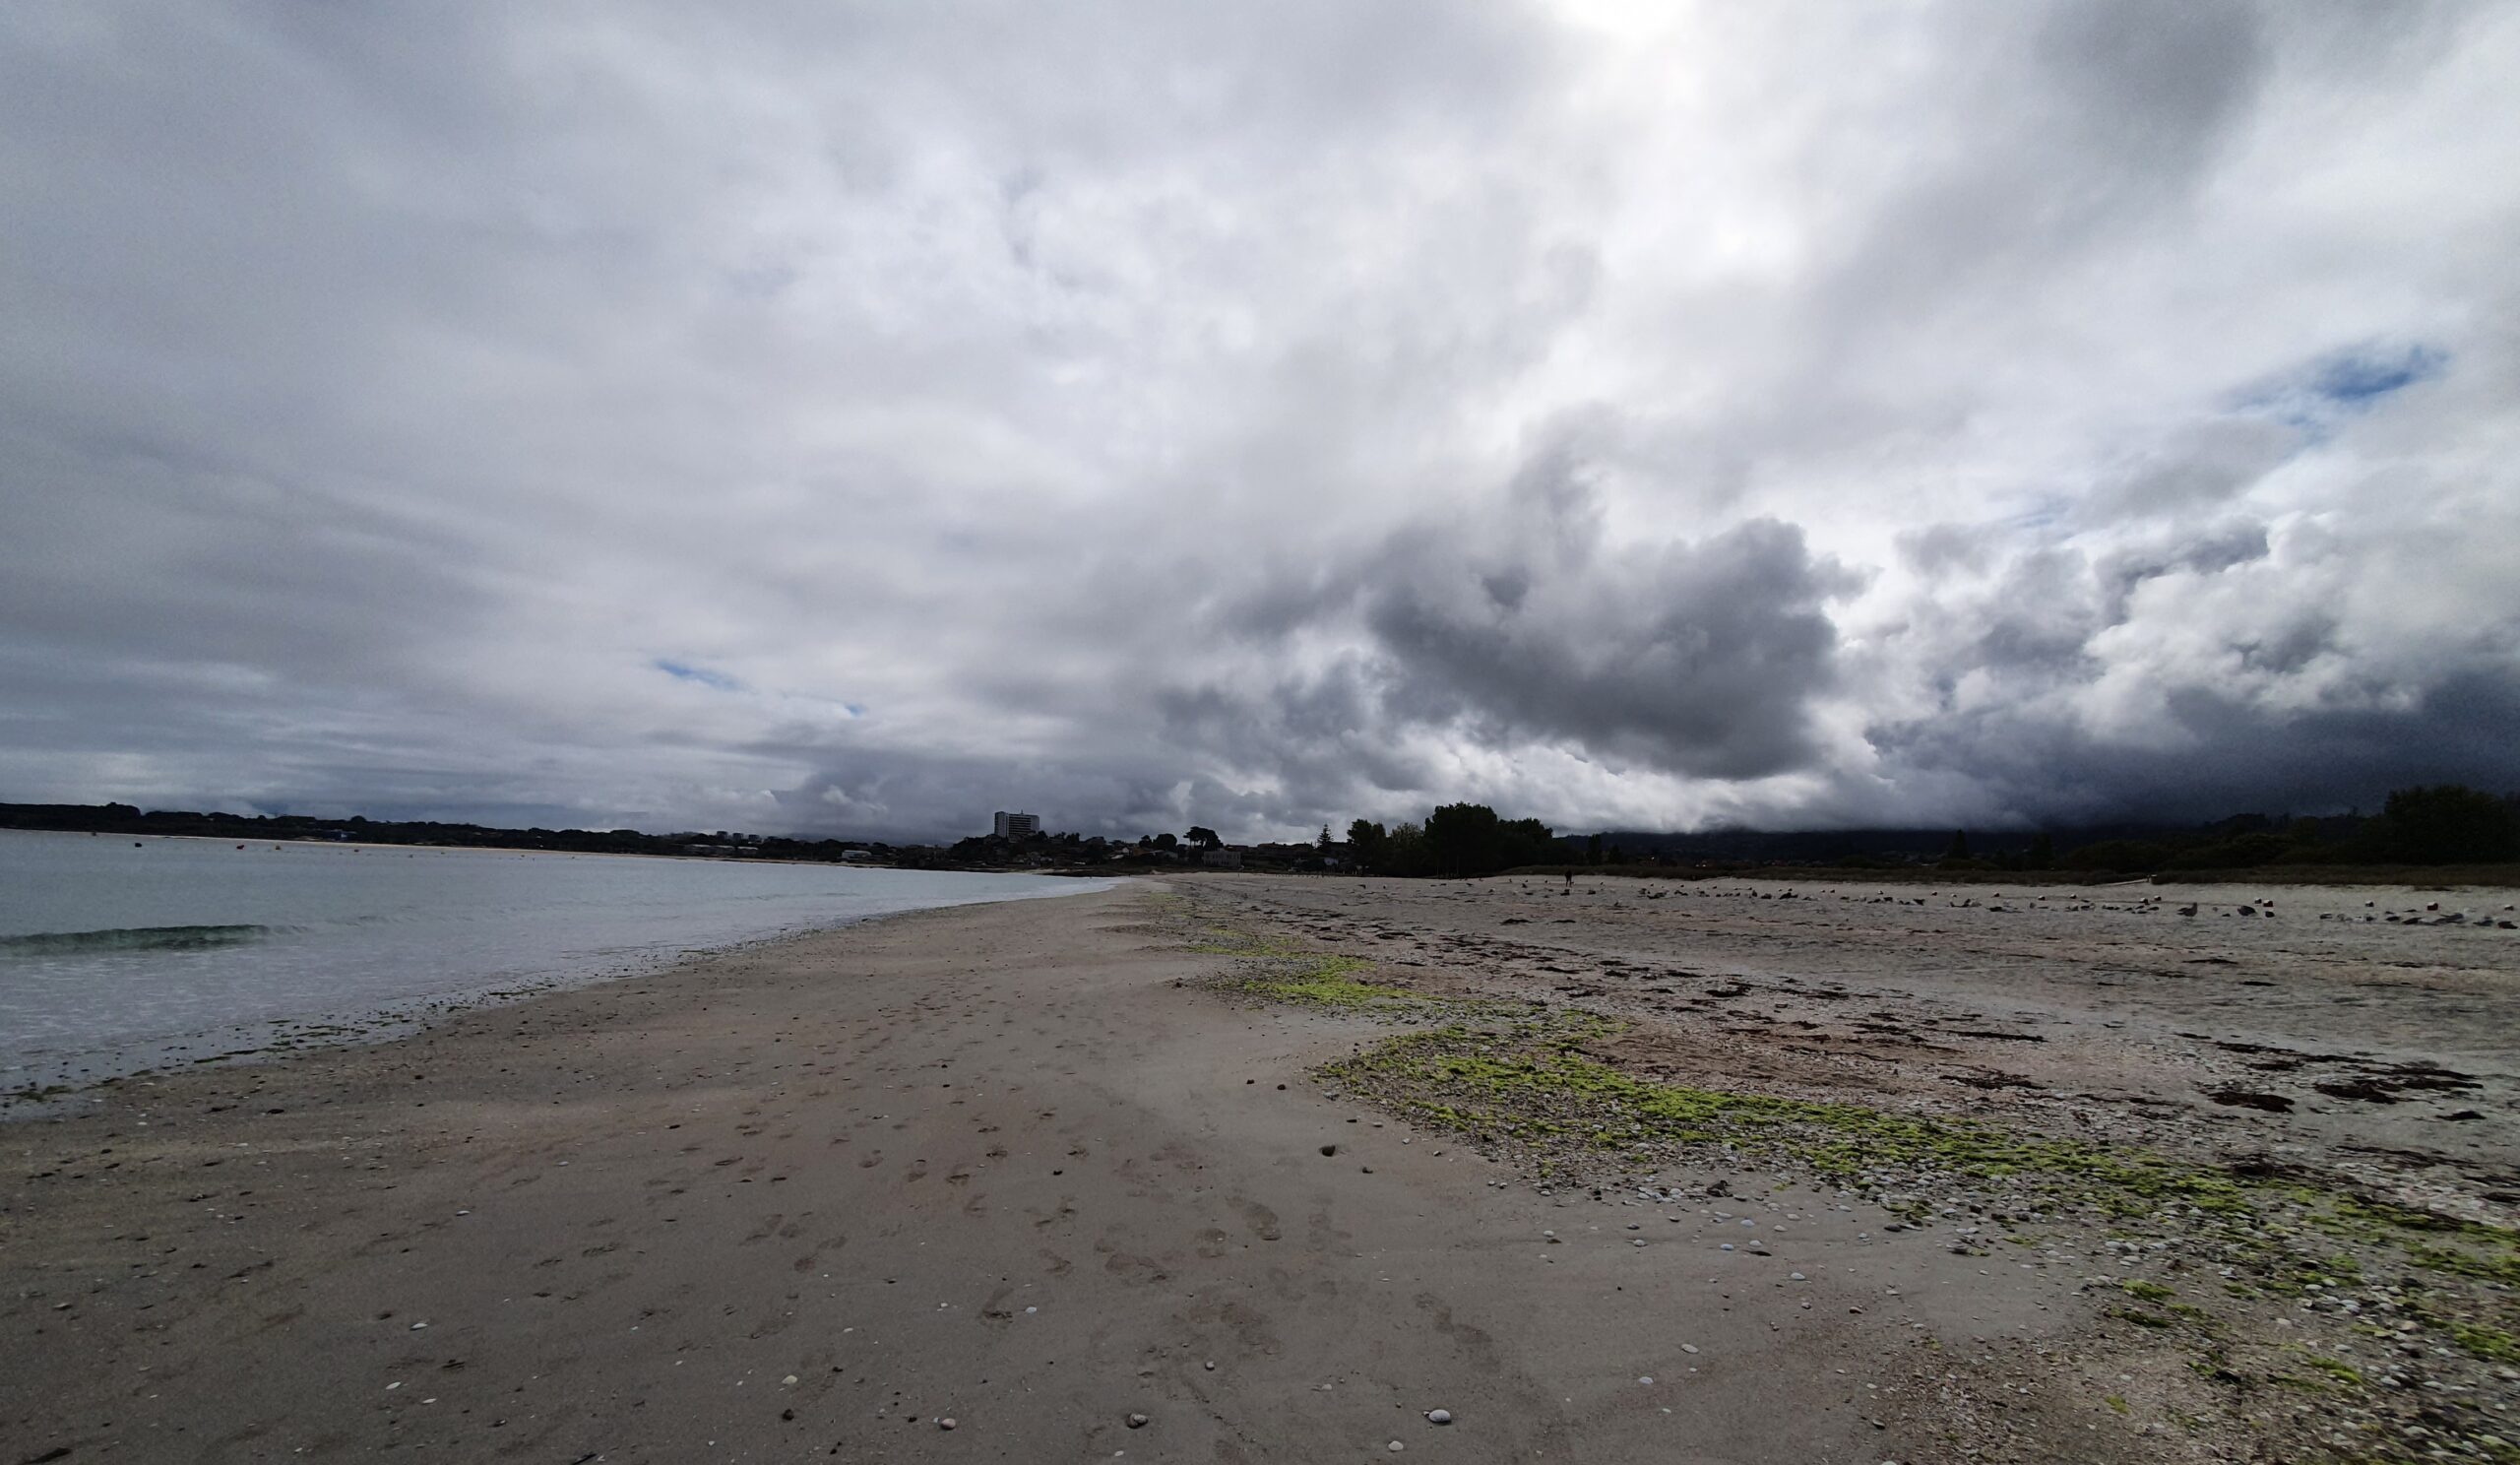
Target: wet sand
pixel 1015 1166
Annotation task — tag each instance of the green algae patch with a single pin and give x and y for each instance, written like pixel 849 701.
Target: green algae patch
pixel 1319 982
pixel 2499 1264
pixel 1226 941
pixel 1271 970
pixel 1537 1079
pixel 2485 1341
pixel 1538 1085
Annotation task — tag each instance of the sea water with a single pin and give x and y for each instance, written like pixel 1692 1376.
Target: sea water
pixel 122 954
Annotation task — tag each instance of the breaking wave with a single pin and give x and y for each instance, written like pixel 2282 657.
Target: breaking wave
pixel 135 938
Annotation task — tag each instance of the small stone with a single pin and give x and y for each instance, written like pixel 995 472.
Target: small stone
pixel 790 1379
pixel 1439 1416
pixel 1212 1365
pixel 1395 1446
pixel 1330 1149
pixel 1137 1422
pixel 946 1423
pixel 1646 1379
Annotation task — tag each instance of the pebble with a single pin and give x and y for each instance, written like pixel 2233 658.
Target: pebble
pixel 1647 1378
pixel 1439 1416
pixel 1395 1446
pixel 1137 1422
pixel 946 1423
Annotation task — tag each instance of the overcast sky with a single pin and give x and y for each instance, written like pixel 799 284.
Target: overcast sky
pixel 855 419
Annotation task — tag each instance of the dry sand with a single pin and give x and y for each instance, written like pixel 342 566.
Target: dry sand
pixel 1015 1166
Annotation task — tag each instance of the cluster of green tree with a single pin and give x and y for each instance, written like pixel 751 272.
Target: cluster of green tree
pixel 1048 847
pixel 1456 840
pixel 2443 824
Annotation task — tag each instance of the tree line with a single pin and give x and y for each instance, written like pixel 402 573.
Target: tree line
pixel 1456 840
pixel 2437 824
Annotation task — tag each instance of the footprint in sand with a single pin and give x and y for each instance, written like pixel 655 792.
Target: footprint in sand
pixel 1261 1221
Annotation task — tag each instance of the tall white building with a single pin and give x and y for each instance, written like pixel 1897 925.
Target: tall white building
pixel 1017 827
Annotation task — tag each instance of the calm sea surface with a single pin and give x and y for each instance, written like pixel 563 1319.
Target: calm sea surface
pixel 117 956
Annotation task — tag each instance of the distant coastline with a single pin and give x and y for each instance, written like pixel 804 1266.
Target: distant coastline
pixel 358 830
pixel 2421 835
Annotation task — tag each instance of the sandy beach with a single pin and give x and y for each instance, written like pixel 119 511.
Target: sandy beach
pixel 1058 1172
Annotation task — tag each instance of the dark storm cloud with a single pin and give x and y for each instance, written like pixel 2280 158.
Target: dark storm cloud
pixel 1700 659
pixel 2215 753
pixel 856 419
pixel 1512 622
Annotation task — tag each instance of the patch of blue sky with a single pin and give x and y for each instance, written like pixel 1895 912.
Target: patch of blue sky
pixel 720 681
pixel 2356 377
pixel 685 672
pixel 2318 394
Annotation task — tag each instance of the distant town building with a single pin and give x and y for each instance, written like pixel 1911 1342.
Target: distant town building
pixel 1221 858
pixel 1017 827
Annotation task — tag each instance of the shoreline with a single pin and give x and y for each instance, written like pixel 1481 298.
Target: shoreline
pixel 379 1025
pixel 280 1037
